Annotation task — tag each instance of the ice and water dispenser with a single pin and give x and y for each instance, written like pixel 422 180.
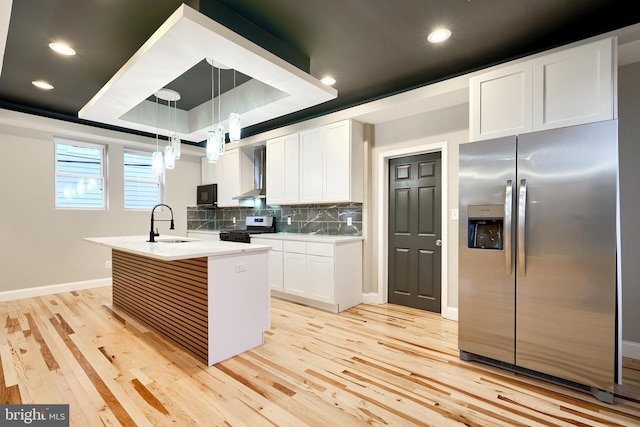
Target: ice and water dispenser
pixel 485 226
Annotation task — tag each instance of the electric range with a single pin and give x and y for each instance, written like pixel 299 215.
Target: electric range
pixel 254 225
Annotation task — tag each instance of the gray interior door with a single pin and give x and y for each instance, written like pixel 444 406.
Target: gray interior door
pixel 415 231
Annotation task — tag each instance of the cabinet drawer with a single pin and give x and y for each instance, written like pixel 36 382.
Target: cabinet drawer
pixel 296 247
pixel 276 245
pixel 321 249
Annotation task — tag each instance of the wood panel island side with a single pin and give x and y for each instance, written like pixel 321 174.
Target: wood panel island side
pixel 209 297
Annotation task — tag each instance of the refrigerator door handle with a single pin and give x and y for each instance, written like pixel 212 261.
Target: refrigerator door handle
pixel 522 209
pixel 508 213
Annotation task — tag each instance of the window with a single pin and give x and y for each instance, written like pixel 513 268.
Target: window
pixel 142 187
pixel 80 175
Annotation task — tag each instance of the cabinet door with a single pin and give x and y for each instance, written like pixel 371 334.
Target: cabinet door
pixel 295 274
pixel 311 166
pixel 320 272
pixel 228 178
pixel 275 261
pixel 337 164
pixel 276 278
pixel 275 171
pixel 500 102
pixel 574 86
pixel 291 169
pixel 209 171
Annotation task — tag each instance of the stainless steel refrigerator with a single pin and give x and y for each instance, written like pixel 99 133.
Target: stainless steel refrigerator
pixel 537 259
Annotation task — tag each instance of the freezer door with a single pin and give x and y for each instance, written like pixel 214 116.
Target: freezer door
pixel 486 271
pixel 566 269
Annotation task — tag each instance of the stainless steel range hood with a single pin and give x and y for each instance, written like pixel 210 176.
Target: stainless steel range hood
pixel 259 175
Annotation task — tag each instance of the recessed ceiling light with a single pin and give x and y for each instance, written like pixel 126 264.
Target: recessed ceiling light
pixel 439 35
pixel 62 48
pixel 329 81
pixel 41 84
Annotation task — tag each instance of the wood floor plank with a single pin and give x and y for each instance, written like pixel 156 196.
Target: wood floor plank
pixel 369 365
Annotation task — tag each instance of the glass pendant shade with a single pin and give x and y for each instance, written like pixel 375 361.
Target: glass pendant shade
pixel 213 147
pixel 175 146
pixel 219 135
pixel 169 157
pixel 234 127
pixel 157 163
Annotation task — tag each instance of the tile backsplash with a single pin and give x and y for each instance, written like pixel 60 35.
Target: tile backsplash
pixel 329 219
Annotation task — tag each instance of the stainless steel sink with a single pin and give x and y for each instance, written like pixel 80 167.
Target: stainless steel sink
pixel 172 240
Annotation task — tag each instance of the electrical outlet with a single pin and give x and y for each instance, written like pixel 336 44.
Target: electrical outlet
pixel 349 221
pixel 234 219
pixel 288 220
pixel 454 214
pixel 241 267
pixel 107 264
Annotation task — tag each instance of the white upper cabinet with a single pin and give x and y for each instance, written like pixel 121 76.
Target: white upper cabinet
pixel 312 165
pixel 331 163
pixel 565 88
pixel 233 173
pixel 501 102
pixel 574 86
pixel 283 170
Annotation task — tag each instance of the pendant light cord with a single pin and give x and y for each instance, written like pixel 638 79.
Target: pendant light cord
pixel 157 125
pixel 213 114
pixel 219 96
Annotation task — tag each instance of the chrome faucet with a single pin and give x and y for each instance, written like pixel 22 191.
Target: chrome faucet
pixel 153 234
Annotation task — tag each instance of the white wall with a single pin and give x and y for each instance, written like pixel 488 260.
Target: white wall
pixel 629 152
pixel 44 246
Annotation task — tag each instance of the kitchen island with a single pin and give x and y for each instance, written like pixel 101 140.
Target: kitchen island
pixel 209 297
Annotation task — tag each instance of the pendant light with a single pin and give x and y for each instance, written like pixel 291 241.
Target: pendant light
pixel 175 139
pixel 234 117
pixel 157 162
pixel 169 155
pixel 170 150
pixel 220 129
pixel 213 148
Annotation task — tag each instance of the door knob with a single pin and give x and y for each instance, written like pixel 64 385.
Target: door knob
pixel 438 242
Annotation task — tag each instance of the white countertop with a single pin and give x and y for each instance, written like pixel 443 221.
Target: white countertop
pixel 163 250
pixel 320 238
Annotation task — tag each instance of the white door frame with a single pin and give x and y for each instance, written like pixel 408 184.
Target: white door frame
pixel 383 226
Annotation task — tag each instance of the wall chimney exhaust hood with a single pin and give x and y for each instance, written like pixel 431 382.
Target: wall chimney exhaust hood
pixel 259 175
pixel 185 39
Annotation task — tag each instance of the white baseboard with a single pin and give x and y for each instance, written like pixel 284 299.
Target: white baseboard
pixel 53 289
pixel 631 349
pixel 371 298
pixel 451 313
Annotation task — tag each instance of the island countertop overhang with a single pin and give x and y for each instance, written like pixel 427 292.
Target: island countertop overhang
pixel 186 248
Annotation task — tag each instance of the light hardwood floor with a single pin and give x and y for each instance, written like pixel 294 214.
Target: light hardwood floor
pixel 370 365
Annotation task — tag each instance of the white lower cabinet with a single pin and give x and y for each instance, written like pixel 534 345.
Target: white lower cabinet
pixel 276 270
pixel 276 264
pixel 295 274
pixel 322 275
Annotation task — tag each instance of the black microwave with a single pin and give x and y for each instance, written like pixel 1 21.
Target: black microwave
pixel 208 195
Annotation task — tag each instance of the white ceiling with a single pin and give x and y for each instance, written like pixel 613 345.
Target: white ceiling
pixel 185 39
